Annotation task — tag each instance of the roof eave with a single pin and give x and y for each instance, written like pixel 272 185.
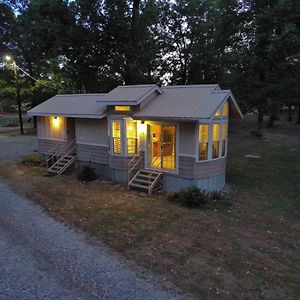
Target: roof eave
pixel 179 119
pixel 229 95
pixel 80 116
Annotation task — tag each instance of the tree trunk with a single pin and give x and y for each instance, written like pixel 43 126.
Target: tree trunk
pixel 34 101
pixel 290 116
pixel 19 104
pixel 271 121
pixel 260 119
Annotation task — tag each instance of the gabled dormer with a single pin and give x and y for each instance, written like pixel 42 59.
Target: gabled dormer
pixel 128 99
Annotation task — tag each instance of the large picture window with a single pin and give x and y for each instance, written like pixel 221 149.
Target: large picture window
pixel 216 140
pixel 225 111
pixel 212 140
pixel 224 138
pixel 203 142
pixel 131 133
pixel 124 137
pixel 116 136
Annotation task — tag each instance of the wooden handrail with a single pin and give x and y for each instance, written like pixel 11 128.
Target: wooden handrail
pixel 61 150
pixel 160 156
pixel 140 156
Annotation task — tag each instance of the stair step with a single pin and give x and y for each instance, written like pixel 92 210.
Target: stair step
pixel 145 176
pixel 52 171
pixel 144 187
pixel 142 181
pixel 145 171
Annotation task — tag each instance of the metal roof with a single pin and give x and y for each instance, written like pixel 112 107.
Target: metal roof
pixel 130 94
pixel 190 102
pixel 181 102
pixel 71 105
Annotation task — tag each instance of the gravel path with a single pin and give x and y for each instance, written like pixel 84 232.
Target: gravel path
pixel 12 147
pixel 43 259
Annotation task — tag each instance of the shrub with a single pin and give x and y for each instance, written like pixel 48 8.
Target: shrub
pixel 86 174
pixel 33 159
pixel 171 196
pixel 216 196
pixel 192 196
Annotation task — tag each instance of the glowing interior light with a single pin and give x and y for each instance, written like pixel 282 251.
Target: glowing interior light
pixel 56 122
pixel 142 127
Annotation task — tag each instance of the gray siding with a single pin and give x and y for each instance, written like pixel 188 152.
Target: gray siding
pixel 210 168
pixel 187 138
pixel 119 162
pixel 189 168
pixel 92 153
pixel 45 145
pixel 213 183
pixel 92 131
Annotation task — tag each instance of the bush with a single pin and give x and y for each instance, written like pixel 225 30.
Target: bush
pixel 33 159
pixel 171 195
pixel 216 196
pixel 191 196
pixel 86 174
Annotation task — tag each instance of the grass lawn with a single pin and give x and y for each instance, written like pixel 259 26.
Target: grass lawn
pixel 248 249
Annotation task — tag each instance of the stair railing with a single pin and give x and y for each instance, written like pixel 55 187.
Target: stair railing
pixel 133 165
pixel 153 171
pixel 62 157
pixel 61 150
pixel 151 184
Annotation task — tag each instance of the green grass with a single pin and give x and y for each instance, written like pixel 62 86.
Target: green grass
pixel 33 159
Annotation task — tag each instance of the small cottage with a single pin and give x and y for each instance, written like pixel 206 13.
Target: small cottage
pixel 146 136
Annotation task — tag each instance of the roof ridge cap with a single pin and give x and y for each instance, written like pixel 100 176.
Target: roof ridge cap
pixel 137 85
pixel 189 86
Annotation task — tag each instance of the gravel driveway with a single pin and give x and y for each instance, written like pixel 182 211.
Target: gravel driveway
pixel 43 259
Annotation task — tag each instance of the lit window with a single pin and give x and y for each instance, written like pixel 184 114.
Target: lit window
pixel 122 108
pixel 216 140
pixel 225 109
pixel 218 113
pixel 224 138
pixel 116 135
pixel 203 141
pixel 131 132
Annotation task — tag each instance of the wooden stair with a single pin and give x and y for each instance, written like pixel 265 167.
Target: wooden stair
pixel 146 180
pixel 62 164
pixel 61 157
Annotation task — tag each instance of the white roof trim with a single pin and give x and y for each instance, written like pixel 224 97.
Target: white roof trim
pixel 155 88
pixel 229 95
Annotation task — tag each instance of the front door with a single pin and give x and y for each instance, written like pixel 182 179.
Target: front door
pixel 162 146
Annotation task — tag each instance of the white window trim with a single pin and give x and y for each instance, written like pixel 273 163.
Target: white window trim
pixel 210 140
pixel 123 138
pixel 147 166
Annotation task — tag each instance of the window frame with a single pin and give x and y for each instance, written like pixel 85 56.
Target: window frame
pixel 123 138
pixel 126 108
pixel 221 122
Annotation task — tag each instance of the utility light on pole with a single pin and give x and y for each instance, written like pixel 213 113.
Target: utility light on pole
pixel 9 59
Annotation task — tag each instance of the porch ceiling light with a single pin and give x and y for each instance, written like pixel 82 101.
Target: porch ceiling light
pixel 56 122
pixel 142 127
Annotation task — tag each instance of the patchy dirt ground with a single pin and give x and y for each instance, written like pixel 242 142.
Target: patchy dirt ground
pixel 247 249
